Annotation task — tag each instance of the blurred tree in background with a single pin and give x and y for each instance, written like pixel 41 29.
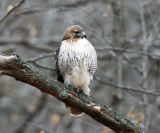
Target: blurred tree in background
pixel 126 36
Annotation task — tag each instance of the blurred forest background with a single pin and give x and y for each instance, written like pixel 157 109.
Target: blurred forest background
pixel 126 35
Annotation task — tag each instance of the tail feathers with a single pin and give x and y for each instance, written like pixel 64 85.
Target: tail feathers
pixel 75 112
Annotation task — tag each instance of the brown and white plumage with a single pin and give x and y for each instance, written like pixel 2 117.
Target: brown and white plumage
pixel 76 61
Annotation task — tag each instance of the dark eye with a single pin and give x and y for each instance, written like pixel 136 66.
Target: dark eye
pixel 77 32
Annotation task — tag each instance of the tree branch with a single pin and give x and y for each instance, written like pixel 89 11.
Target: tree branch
pixel 144 53
pixel 30 42
pixel 16 67
pixel 34 59
pixel 13 9
pixel 127 88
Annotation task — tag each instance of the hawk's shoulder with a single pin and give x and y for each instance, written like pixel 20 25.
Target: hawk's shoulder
pixel 59 75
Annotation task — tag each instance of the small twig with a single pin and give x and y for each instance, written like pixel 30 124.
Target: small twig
pixel 132 65
pixel 29 43
pixel 44 67
pixel 34 59
pixel 153 56
pixel 40 57
pixel 127 87
pixel 13 9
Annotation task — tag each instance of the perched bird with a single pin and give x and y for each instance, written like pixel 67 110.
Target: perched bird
pixel 76 61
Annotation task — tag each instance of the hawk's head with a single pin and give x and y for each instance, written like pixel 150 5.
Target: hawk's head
pixel 74 32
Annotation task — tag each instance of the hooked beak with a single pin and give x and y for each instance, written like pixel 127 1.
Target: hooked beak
pixel 82 34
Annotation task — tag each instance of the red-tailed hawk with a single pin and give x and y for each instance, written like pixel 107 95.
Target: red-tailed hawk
pixel 76 61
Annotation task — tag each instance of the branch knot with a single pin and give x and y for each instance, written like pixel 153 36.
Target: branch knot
pixel 63 95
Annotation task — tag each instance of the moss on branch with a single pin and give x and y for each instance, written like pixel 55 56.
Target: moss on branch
pixel 16 67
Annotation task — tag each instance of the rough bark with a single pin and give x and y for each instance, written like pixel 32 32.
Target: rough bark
pixel 16 67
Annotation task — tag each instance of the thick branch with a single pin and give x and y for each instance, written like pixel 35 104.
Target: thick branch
pixel 15 67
